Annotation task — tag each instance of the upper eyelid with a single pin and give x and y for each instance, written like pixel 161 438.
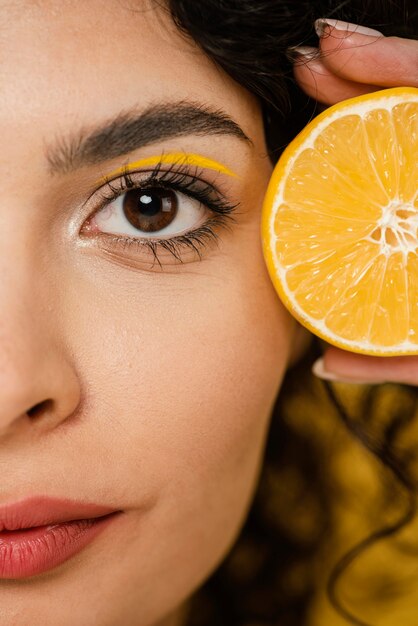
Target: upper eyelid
pixel 183 159
pixel 196 176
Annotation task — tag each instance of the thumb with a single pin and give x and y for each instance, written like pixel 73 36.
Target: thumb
pixel 340 365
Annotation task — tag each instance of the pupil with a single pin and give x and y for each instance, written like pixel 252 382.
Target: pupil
pixel 149 205
pixel 150 210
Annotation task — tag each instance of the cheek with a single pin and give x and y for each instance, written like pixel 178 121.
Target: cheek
pixel 181 373
pixel 190 365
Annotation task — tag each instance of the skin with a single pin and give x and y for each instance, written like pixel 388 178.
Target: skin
pixel 153 387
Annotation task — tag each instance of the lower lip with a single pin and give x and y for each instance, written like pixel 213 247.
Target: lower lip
pixel 36 550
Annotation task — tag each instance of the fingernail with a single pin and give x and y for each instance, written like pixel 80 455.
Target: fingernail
pixel 321 23
pixel 305 53
pixel 318 369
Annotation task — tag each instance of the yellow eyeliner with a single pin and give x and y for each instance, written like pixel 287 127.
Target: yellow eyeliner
pixel 173 157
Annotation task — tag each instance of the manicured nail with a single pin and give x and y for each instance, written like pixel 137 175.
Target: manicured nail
pixel 321 23
pixel 318 368
pixel 302 53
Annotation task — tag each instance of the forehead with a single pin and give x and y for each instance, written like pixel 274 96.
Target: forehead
pixel 66 61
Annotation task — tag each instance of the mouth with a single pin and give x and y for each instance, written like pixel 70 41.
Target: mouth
pixel 40 533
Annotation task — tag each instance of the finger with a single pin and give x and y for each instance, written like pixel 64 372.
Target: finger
pixel 322 85
pixel 343 366
pixel 369 59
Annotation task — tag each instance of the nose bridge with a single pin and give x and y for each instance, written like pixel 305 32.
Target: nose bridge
pixel 20 358
pixel 36 375
pixel 23 301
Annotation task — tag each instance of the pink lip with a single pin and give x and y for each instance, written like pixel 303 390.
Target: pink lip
pixel 40 533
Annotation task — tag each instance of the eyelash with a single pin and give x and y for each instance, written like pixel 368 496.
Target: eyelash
pixel 177 178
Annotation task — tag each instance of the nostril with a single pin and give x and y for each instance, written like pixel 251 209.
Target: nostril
pixel 42 407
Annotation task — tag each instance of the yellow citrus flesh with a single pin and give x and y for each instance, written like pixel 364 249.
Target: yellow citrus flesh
pixel 340 224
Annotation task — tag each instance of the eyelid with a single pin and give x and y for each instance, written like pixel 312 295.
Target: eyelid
pixel 179 158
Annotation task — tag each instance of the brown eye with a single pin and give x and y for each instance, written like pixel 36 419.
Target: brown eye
pixel 149 213
pixel 150 210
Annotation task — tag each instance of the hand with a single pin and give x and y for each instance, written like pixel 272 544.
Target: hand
pixel 352 63
pixel 355 60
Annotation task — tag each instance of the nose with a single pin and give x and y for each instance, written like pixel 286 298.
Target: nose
pixel 39 386
pixel 39 382
pixel 42 393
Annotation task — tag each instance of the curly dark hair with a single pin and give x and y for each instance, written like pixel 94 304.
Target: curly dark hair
pixel 270 575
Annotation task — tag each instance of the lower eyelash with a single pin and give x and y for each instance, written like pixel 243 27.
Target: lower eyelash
pixel 195 240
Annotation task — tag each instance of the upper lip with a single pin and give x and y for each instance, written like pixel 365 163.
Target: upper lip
pixel 43 510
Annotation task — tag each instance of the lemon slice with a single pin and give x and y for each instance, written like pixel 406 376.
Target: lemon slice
pixel 340 224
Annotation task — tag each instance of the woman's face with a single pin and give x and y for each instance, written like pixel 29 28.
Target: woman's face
pixel 148 384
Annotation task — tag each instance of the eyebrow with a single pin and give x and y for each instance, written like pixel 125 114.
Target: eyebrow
pixel 131 130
